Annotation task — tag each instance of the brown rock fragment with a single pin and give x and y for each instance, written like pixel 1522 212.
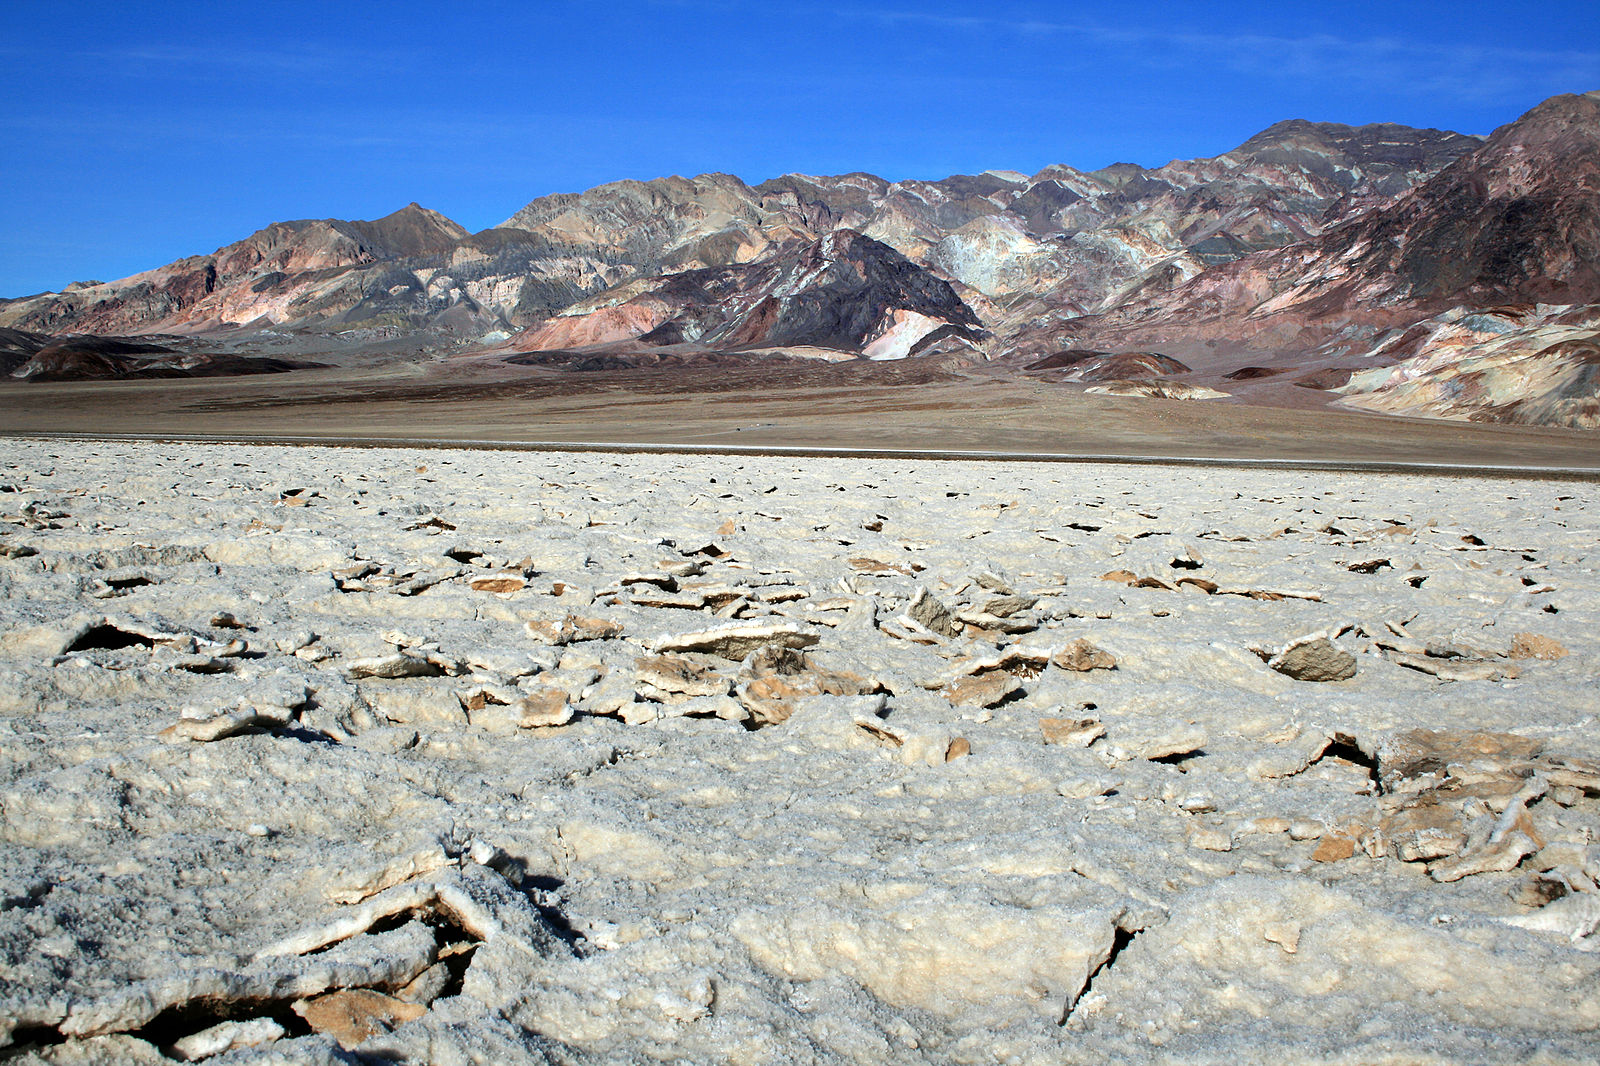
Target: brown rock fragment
pixel 926 610
pixel 958 748
pixel 677 677
pixel 1071 732
pixel 1006 606
pixel 543 707
pixel 1081 656
pixel 869 565
pixel 504 581
pixel 1424 831
pixel 1533 646
pixel 1316 659
pixel 778 678
pixel 354 1015
pixel 1334 847
pixel 982 690
pixel 1121 577
pixel 573 629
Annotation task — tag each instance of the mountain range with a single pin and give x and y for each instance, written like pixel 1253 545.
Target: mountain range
pixel 1410 271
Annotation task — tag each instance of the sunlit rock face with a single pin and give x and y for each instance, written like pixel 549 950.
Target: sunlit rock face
pixel 845 292
pixel 285 272
pixel 1538 365
pixel 1517 219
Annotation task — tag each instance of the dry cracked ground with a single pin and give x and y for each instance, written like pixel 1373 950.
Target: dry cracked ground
pixel 340 755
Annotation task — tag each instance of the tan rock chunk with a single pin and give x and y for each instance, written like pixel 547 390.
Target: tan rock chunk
pixel 1071 732
pixel 1424 831
pixel 1121 577
pixel 477 697
pixel 994 583
pixel 1006 606
pixel 727 529
pixel 1533 646
pixel 982 690
pixel 1271 595
pixel 354 1015
pixel 674 678
pixel 771 700
pixel 778 678
pixel 736 641
pixel 502 582
pixel 1314 658
pixel 868 565
pixel 573 629
pixel 959 747
pixel 543 707
pixel 1200 583
pixel 1335 847
pixel 926 610
pixel 1081 656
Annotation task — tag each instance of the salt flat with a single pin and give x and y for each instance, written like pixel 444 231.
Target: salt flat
pixel 459 756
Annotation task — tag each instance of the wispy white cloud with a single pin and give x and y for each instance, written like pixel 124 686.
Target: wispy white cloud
pixel 1424 65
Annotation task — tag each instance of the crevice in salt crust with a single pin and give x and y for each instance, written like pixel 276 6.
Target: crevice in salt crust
pixel 1120 939
pixel 1345 746
pixel 108 637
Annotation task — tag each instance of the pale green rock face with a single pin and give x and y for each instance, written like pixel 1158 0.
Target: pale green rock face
pixel 616 758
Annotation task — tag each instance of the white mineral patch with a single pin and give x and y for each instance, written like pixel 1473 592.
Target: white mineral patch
pixel 519 757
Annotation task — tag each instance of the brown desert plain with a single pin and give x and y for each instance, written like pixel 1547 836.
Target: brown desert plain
pixel 919 405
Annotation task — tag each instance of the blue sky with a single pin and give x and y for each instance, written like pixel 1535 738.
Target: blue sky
pixel 135 133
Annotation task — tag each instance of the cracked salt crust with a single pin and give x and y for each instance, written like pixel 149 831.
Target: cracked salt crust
pixel 560 757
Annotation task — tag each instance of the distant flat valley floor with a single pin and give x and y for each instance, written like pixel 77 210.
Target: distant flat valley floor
pixel 917 405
